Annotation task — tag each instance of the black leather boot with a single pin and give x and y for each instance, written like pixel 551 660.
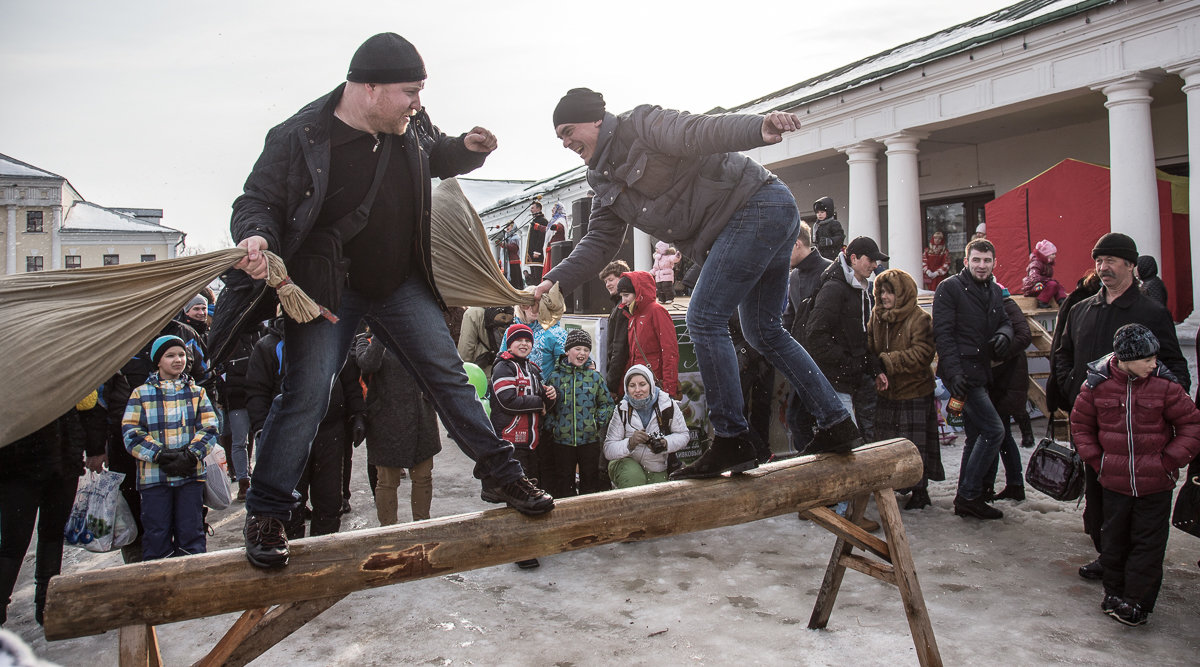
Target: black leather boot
pixel 840 438
pixel 919 500
pixel 9 569
pixel 725 454
pixel 49 564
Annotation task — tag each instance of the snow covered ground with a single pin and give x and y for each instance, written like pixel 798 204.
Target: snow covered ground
pixel 999 593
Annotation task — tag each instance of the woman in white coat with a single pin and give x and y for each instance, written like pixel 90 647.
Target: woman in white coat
pixel 646 427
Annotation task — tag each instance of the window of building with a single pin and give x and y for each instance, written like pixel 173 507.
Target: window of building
pixel 112 260
pixel 957 218
pixel 148 258
pixel 33 263
pixel 33 221
pixel 74 261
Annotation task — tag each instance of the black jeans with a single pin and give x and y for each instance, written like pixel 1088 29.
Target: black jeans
pixel 1134 540
pixel 321 484
pixel 22 503
pixel 587 458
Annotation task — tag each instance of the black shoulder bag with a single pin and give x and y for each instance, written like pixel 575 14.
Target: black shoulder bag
pixel 1055 469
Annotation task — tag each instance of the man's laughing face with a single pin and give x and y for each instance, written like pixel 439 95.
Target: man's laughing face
pixel 580 138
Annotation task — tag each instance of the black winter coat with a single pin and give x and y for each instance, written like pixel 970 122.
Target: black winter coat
pixel 966 314
pixel 618 351
pixel 1089 330
pixel 57 449
pixel 803 282
pixel 265 375
pixel 1010 380
pixel 1152 286
pixel 1055 396
pixel 402 428
pixel 829 237
pixel 837 330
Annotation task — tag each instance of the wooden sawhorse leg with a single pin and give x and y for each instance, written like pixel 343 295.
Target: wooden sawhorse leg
pixel 896 569
pixel 138 646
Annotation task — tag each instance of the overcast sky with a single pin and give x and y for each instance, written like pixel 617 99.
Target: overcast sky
pixel 149 104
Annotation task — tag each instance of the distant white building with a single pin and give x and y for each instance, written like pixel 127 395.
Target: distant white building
pixel 51 226
pixel 922 136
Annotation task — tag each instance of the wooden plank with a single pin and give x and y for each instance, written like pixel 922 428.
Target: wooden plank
pixel 880 571
pixel 276 626
pixel 832 582
pixel 845 529
pixel 233 638
pixel 1037 394
pixel 177 589
pixel 137 646
pixel 906 580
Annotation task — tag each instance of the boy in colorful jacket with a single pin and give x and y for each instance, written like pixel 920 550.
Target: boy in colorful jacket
pixel 169 427
pixel 579 420
pixel 519 399
pixel 1136 427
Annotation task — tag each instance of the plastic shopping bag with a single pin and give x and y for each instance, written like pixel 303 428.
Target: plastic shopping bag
pixel 95 527
pixel 218 491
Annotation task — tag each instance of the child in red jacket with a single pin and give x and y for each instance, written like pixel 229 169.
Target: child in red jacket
pixel 1136 427
pixel 652 338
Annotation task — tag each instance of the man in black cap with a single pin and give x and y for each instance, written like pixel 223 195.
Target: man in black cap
pixel 1088 335
pixel 682 178
pixel 837 329
pixel 342 193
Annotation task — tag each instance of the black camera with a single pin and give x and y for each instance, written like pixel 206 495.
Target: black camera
pixel 657 444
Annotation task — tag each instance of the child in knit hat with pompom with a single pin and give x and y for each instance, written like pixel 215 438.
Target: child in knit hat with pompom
pixel 1039 277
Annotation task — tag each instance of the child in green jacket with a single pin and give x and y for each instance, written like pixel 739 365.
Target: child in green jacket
pixel 579 420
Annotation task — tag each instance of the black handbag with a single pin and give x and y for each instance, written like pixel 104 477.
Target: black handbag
pixel 1186 516
pixel 1055 469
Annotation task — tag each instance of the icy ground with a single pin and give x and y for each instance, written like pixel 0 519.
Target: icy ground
pixel 999 593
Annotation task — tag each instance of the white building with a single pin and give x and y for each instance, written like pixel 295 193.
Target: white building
pixel 932 130
pixel 50 225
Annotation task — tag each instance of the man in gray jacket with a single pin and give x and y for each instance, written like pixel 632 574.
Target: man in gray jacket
pixel 680 178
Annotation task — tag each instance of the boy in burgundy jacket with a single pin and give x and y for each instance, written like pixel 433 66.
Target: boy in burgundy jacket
pixel 1136 427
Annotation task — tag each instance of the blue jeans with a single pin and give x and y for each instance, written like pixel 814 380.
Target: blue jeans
pixel 747 268
pixel 982 415
pixel 1009 454
pixel 238 422
pixel 313 356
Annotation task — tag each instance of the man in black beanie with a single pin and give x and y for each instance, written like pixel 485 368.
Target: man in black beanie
pixel 683 179
pixel 342 193
pixel 1088 335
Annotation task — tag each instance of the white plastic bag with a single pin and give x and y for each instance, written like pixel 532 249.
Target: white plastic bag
pixel 96 513
pixel 218 491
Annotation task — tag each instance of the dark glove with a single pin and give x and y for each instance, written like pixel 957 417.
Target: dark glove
pixel 638 438
pixel 358 430
pixel 178 462
pixel 957 386
pixel 658 444
pixel 1000 344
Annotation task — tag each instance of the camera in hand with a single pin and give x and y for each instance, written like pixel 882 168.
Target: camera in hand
pixel 657 444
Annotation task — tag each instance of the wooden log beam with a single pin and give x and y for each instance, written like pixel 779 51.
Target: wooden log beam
pixel 178 589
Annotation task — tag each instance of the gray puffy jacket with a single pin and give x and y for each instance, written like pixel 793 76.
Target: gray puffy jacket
pixel 672 174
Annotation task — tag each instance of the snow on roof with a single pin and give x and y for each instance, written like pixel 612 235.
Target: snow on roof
pixel 88 217
pixel 482 192
pixel 13 167
pixel 985 29
pixel 539 188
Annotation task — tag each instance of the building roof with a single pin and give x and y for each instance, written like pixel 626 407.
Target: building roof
pixel 14 167
pixel 957 39
pixel 535 188
pixel 87 217
pixel 482 192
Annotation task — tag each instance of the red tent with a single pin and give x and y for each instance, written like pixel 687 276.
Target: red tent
pixel 1069 205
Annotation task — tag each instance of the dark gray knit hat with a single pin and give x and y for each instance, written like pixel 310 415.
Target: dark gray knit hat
pixel 576 337
pixel 1133 342
pixel 386 58
pixel 579 105
pixel 1116 244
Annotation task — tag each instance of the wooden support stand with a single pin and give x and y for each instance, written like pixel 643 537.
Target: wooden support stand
pixel 325 569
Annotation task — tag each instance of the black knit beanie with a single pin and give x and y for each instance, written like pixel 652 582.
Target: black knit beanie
pixel 625 286
pixel 577 337
pixel 386 58
pixel 1116 244
pixel 579 105
pixel 1134 341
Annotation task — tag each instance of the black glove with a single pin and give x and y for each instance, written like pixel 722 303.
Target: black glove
pixel 178 462
pixel 957 386
pixel 658 444
pixel 1000 344
pixel 358 430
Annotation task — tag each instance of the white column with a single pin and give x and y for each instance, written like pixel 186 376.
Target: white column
pixel 11 265
pixel 863 217
pixel 643 255
pixel 56 258
pixel 1191 86
pixel 904 202
pixel 1133 208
